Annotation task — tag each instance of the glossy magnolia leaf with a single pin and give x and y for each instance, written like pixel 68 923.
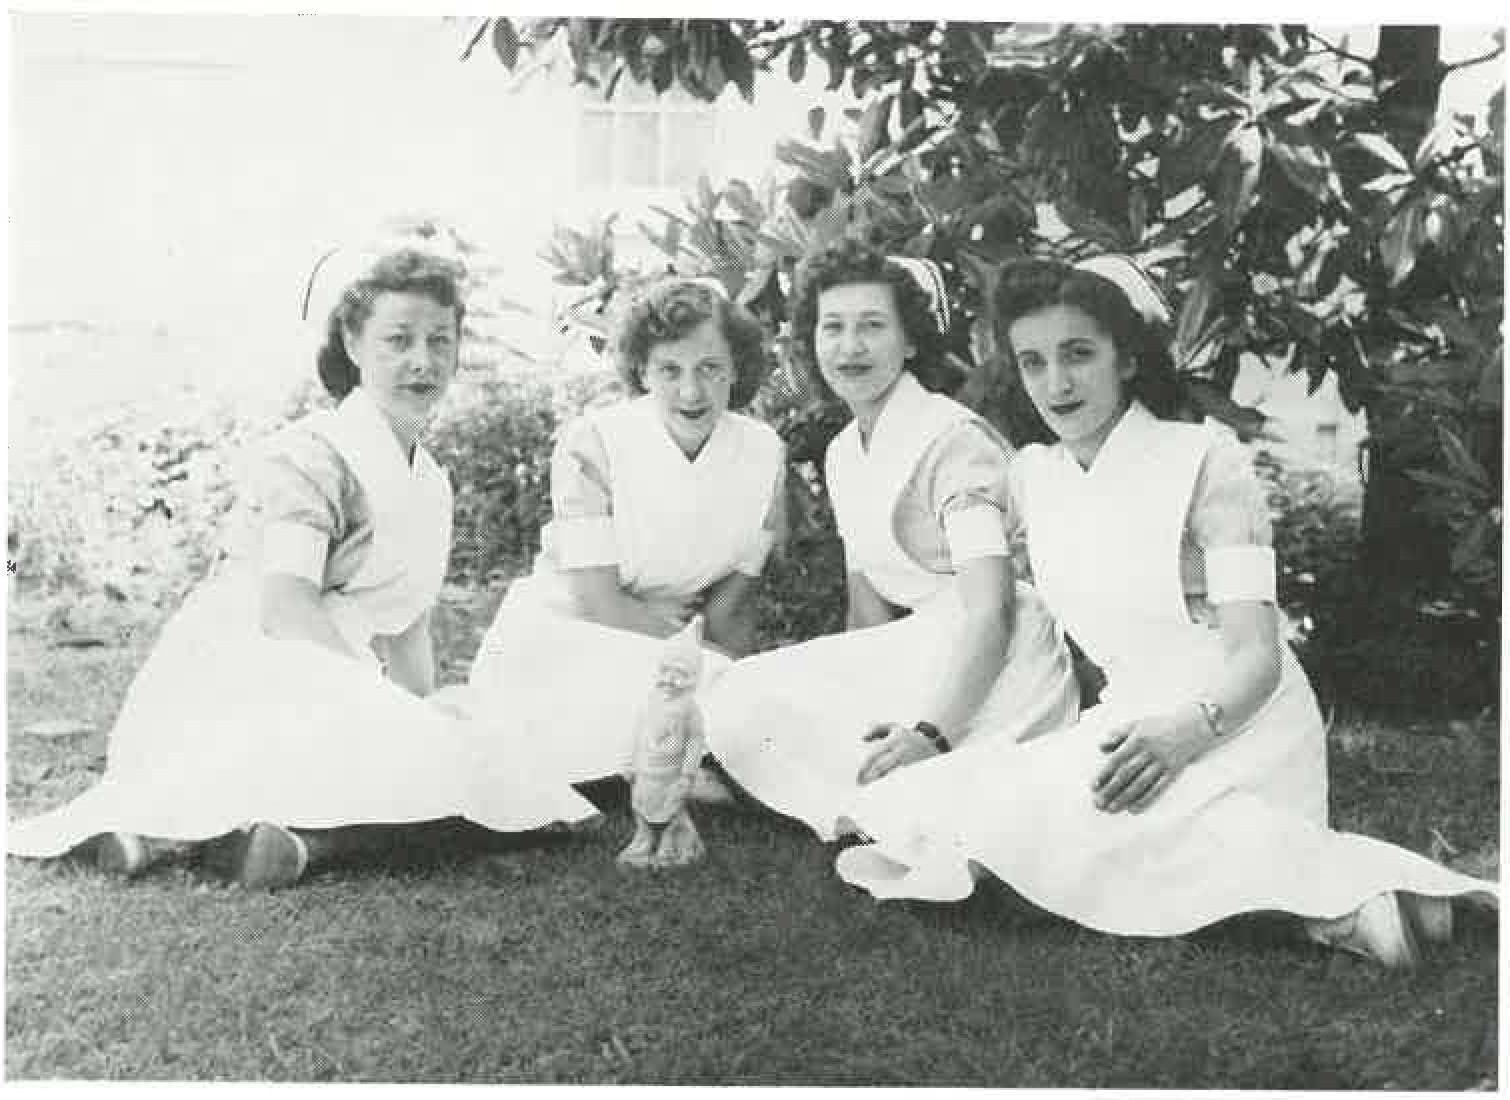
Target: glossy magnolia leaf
pixel 1438 142
pixel 1460 461
pixel 1303 160
pixel 821 167
pixel 873 124
pixel 909 109
pixel 1237 173
pixel 796 62
pixel 1401 239
pixel 739 195
pixel 1381 147
pixel 1389 181
pixel 1190 328
pixel 506 42
pixel 1472 545
pixel 1225 370
pixel 737 63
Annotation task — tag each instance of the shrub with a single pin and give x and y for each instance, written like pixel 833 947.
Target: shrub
pixel 129 504
pixel 494 437
pixel 1316 529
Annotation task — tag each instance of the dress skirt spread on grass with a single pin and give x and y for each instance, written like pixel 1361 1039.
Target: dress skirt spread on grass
pixel 565 690
pixel 787 725
pixel 224 726
pixel 1241 829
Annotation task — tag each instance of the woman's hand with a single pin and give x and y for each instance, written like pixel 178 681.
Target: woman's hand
pixel 900 745
pixel 1146 756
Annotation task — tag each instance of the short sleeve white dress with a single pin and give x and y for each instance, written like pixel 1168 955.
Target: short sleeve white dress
pixel 1122 553
pixel 224 726
pixel 929 491
pixel 623 494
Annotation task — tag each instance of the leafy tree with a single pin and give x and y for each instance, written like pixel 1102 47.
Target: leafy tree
pixel 1300 203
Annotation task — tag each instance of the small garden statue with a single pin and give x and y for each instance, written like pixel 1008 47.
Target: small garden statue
pixel 668 749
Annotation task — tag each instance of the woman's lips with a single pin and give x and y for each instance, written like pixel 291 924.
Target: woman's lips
pixel 1066 408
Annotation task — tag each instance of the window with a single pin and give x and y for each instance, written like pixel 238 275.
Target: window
pixel 643 141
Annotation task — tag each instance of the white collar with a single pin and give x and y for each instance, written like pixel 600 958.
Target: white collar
pixel 1126 436
pixel 711 445
pixel 361 411
pixel 907 395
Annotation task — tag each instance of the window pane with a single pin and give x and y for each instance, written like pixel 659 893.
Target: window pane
pixel 689 147
pixel 595 153
pixel 639 150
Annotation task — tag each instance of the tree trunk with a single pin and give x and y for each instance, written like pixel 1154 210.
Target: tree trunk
pixel 1400 555
pixel 1408 65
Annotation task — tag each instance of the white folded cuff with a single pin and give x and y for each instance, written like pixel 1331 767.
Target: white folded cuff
pixel 585 543
pixel 975 532
pixel 294 548
pixel 1237 573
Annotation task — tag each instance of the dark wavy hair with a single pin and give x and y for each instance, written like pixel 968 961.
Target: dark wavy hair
pixel 849 262
pixel 666 310
pixel 1027 286
pixel 405 270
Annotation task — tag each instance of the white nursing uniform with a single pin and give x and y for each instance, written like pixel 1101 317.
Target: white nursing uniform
pixel 224 726
pixel 1242 829
pixel 566 690
pixel 788 725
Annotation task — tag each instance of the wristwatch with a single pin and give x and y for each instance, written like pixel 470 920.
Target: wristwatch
pixel 934 734
pixel 1216 718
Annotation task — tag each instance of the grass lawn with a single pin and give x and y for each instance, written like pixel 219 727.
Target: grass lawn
pixel 550 965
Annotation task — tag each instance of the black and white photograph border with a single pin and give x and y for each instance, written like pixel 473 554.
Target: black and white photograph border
pixel 465 605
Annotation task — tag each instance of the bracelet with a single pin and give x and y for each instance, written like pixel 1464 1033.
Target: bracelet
pixel 1214 715
pixel 934 734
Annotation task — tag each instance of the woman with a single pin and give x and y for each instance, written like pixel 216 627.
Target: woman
pixel 662 507
pixel 1197 789
pixel 286 697
pixel 942 649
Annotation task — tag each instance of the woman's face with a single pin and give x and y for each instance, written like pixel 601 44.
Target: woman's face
pixel 407 353
pixel 1074 374
pixel 690 380
pixel 859 342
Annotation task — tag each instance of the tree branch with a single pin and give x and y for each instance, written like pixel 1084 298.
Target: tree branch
pixel 1498 51
pixel 1338 50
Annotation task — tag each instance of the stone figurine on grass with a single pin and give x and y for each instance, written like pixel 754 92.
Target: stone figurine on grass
pixel 668 749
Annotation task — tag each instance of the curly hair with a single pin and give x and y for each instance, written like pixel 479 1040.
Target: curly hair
pixel 848 262
pixel 1027 286
pixel 669 308
pixel 404 270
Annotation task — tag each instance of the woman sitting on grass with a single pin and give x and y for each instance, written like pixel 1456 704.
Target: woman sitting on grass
pixel 286 697
pixel 663 506
pixel 942 645
pixel 1198 788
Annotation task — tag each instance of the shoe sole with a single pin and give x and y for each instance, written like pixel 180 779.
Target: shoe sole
pixel 1430 917
pixel 1393 945
pixel 273 858
pixel 123 854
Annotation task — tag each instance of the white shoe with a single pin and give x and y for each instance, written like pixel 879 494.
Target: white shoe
pixel 1430 917
pixel 123 854
pixel 270 857
pixel 1377 929
pixel 709 790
